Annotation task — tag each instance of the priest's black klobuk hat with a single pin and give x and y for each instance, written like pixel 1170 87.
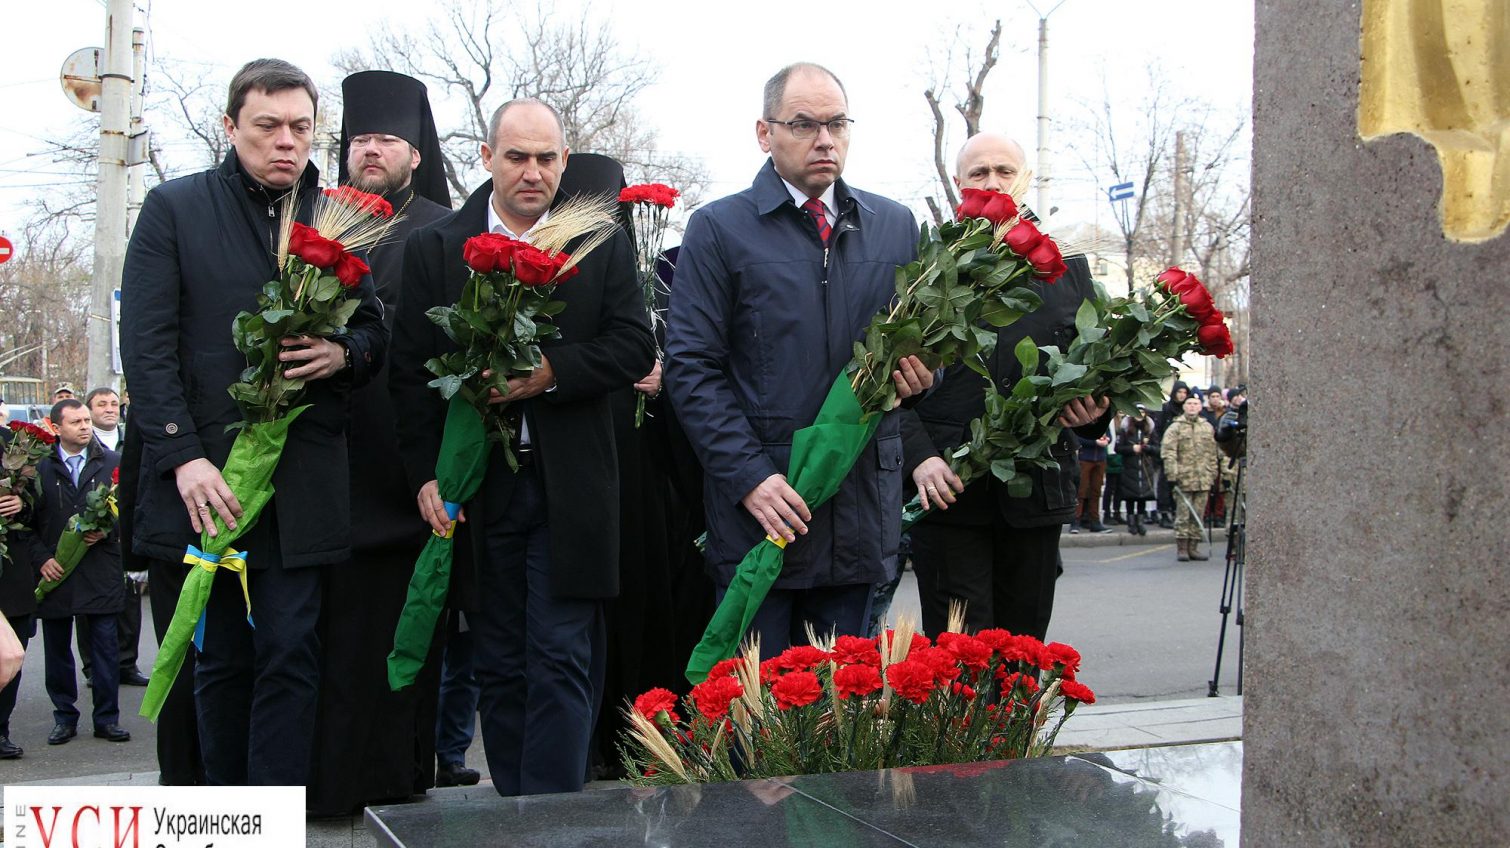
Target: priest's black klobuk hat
pixel 394 104
pixel 599 175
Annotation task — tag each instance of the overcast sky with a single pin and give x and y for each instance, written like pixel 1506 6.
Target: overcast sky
pixel 713 59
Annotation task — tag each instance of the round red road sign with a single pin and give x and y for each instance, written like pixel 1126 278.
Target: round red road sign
pixel 7 250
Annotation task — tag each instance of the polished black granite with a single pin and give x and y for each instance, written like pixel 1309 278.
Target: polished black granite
pixel 1174 797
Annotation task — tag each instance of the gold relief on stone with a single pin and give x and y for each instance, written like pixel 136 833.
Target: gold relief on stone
pixel 1441 69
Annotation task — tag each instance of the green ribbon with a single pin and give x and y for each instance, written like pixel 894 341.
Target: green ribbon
pixel 248 473
pixel 822 456
pixel 459 471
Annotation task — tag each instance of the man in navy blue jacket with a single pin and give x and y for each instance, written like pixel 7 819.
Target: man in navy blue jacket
pixel 773 286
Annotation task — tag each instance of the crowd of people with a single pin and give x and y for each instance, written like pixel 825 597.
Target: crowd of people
pixel 579 577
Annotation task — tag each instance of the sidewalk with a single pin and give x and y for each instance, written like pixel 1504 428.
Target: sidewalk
pixel 1092 728
pixel 1118 535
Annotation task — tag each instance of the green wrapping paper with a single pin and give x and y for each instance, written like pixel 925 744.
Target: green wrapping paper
pixel 459 471
pixel 69 553
pixel 249 475
pixel 822 456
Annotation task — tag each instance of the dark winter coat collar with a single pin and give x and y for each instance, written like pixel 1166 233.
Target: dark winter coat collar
pixel 770 193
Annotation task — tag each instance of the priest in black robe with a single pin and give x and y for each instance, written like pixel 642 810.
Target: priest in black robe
pixel 372 744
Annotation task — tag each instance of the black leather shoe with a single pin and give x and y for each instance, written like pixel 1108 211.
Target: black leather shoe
pixel 456 776
pixel 113 733
pixel 8 749
pixel 132 677
pixel 61 733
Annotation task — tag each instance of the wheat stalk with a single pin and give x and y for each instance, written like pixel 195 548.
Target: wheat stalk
pixel 956 616
pixel 595 216
pixel 646 733
pixel 353 226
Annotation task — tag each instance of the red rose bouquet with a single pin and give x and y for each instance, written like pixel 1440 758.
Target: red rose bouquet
pixel 504 313
pixel 98 516
pixel 313 294
pixel 18 468
pixel 858 704
pixel 652 207
pixel 1122 351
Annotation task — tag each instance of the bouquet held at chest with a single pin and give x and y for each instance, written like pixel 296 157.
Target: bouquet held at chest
pixel 98 516
pixel 503 314
pixel 972 276
pixel 314 294
pixel 18 468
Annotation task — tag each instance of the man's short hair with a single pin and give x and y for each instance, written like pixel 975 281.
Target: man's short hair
pixel 94 393
pixel 269 76
pixel 520 101
pixel 56 416
pixel 775 87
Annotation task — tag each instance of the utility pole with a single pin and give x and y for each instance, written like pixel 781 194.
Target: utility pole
pixel 1177 238
pixel 1042 205
pixel 136 175
pixel 110 210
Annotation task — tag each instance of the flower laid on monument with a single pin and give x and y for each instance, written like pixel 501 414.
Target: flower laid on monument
pixel 1123 350
pixel 652 205
pixel 18 468
pixel 314 295
pixel 98 516
pixel 503 314
pixel 851 703
pixel 967 281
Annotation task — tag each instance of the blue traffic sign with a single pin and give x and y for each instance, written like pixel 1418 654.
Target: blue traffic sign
pixel 1120 191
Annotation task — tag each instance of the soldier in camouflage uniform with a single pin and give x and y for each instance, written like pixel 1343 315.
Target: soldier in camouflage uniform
pixel 1190 461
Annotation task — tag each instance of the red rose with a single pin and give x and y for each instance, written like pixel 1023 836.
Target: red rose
pixel 34 431
pixel 726 668
pixel 994 206
pixel 1215 339
pixel 713 696
pixel 488 252
pixel 1078 692
pixel 115 476
pixel 1197 301
pixel 561 258
pixel 1060 655
pixel 1046 261
pixel 800 658
pixel 350 270
pixel 968 651
pixel 372 203
pixel 911 680
pixel 657 701
pixel 797 689
pixel 315 249
pixel 856 679
pixel 533 266
pixel 854 649
pixel 1023 237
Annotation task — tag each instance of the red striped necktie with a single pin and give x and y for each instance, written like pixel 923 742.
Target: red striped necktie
pixel 814 208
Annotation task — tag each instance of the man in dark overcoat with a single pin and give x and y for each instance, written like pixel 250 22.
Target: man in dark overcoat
pixel 543 541
pixel 980 545
pixel 373 744
pixel 202 249
pixel 94 591
pixel 17 602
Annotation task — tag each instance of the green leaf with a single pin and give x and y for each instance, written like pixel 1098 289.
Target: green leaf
pixel 1004 470
pixel 273 316
pixel 447 385
pixel 1069 372
pixel 1027 355
pixel 343 312
pixel 1086 317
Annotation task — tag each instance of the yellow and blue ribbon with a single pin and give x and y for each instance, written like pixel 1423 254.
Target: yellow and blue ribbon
pixel 452 511
pixel 232 559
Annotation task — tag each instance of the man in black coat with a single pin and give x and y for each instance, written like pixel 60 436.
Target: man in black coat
pixel 202 249
pixel 94 591
pixel 543 541
pixel 997 553
pixel 17 603
pixel 373 744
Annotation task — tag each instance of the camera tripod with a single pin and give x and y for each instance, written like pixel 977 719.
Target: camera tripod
pixel 1232 580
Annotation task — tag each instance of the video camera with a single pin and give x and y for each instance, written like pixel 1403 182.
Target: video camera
pixel 1232 432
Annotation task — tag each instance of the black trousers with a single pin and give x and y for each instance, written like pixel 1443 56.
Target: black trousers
pixel 537 657
pixel 1004 575
pixel 63 684
pixel 179 762
pixel 256 688
pixel 23 625
pixel 128 630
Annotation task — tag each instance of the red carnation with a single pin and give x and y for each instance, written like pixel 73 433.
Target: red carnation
pixel 1215 339
pixel 911 680
pixel 797 689
pixel 995 638
pixel 489 252
pixel 657 194
pixel 856 679
pixel 350 270
pixel 1076 691
pixel 1022 649
pixel 969 651
pixel 770 670
pixel 713 696
pixel 533 266
pixel 1058 654
pixel 994 206
pixel 361 200
pixel 939 660
pixel 657 701
pixel 962 689
pixel 1028 683
pixel 726 668
pixel 800 658
pixel 307 244
pixel 854 649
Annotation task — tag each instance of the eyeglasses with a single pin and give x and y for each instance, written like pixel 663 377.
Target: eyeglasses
pixel 805 128
pixel 375 140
